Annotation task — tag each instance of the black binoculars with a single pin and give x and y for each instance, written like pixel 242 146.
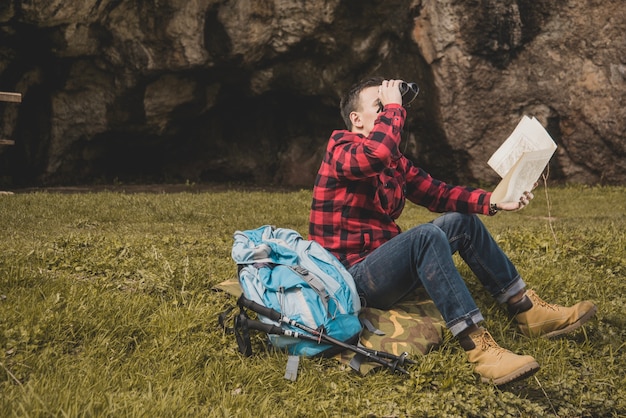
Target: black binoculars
pixel 409 92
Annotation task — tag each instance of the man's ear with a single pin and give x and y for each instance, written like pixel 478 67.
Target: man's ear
pixel 355 118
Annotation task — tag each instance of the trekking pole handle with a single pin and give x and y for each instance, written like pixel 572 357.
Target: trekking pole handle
pixel 260 309
pixel 263 327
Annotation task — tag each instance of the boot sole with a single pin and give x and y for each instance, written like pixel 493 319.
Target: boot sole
pixel 521 373
pixel 591 312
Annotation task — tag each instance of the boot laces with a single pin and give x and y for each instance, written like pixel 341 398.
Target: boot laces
pixel 537 300
pixel 487 342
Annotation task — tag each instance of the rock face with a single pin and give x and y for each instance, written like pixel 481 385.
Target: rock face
pixel 208 90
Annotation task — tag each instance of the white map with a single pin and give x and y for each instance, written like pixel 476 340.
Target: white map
pixel 521 159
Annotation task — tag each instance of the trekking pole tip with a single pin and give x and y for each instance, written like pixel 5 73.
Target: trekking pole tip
pixel 404 358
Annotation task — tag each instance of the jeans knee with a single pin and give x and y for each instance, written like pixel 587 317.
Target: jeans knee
pixel 454 223
pixel 428 233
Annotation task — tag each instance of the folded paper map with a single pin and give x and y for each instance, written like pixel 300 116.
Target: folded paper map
pixel 521 159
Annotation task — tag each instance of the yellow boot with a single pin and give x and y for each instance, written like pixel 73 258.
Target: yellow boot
pixel 548 320
pixel 495 364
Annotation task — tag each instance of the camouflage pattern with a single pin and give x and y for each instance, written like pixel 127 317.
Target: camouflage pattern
pixel 414 325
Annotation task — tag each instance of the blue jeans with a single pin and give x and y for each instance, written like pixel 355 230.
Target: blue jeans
pixel 422 256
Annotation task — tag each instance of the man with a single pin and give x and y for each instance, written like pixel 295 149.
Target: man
pixel 361 188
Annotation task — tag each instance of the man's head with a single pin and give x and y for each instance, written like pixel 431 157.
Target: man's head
pixel 352 102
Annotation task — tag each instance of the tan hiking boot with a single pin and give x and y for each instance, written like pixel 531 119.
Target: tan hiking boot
pixel 548 320
pixel 495 364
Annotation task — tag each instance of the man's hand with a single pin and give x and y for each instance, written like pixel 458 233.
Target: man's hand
pixel 389 92
pixel 521 204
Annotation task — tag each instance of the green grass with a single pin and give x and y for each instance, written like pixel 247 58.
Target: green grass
pixel 107 309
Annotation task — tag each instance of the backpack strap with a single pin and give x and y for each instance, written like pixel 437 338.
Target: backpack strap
pixel 316 284
pixel 370 327
pixel 240 329
pixel 242 334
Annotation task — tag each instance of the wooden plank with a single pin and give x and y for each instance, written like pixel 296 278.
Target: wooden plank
pixel 7 142
pixel 10 97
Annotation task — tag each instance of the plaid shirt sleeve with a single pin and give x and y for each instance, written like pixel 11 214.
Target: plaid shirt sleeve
pixel 352 157
pixel 362 185
pixel 437 196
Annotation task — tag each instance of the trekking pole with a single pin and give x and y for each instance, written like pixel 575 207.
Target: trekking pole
pixel 278 317
pixel 275 330
pixel 316 336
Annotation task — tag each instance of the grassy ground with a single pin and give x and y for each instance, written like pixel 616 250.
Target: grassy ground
pixel 107 309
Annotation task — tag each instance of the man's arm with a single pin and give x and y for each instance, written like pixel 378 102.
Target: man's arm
pixel 438 196
pixel 358 157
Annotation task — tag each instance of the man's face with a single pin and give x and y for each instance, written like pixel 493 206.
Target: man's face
pixel 366 115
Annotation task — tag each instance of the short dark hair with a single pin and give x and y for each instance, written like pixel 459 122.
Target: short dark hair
pixel 350 102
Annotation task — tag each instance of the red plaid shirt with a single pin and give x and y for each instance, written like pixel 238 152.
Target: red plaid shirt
pixel 362 186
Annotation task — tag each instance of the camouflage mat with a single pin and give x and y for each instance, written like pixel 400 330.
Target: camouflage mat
pixel 413 326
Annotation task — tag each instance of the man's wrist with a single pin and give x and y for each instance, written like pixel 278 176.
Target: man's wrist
pixel 493 208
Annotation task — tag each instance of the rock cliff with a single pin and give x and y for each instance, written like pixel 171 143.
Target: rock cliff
pixel 216 90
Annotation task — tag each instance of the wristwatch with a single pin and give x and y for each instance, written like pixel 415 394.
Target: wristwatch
pixel 493 208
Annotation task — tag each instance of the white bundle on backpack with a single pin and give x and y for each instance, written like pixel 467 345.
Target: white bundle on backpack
pixel 301 280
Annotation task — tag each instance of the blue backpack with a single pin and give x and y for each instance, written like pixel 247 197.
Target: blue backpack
pixel 301 280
